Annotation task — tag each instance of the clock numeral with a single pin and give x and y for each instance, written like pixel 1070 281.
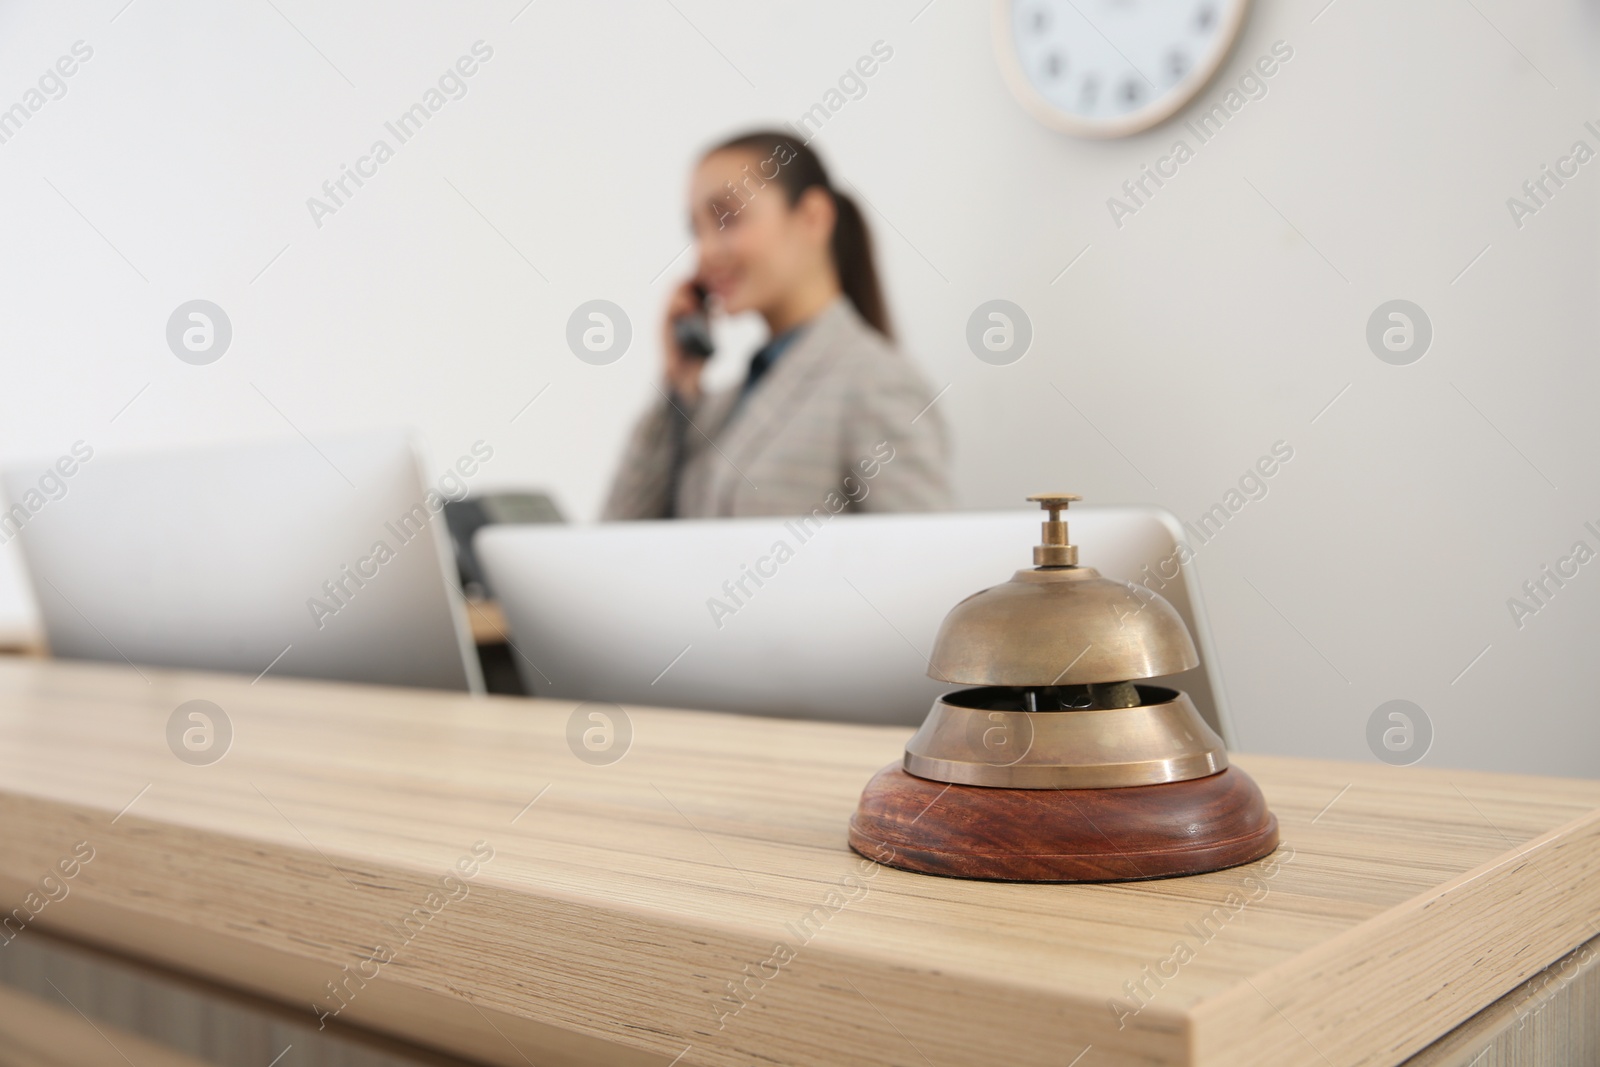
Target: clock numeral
pixel 1073 70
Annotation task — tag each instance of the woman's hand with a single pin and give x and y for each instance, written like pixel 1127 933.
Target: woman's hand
pixel 682 370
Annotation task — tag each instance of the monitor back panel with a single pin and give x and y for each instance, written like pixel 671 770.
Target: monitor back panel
pixel 834 619
pixel 325 562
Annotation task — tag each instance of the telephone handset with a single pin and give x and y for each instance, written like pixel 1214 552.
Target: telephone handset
pixel 692 332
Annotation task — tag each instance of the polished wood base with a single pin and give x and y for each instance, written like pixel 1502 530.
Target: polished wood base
pixel 1063 835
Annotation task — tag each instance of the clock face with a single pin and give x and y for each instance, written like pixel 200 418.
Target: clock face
pixel 1105 68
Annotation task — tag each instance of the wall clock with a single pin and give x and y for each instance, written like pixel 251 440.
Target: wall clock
pixel 1109 68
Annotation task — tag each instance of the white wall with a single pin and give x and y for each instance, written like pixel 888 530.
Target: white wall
pixel 1206 328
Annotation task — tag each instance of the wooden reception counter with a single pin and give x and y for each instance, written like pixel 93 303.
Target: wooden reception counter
pixel 467 875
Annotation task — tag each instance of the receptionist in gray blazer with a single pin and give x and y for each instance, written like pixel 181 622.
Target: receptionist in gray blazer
pixel 830 414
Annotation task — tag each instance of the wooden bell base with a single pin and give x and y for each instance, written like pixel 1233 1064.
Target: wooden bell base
pixel 1063 835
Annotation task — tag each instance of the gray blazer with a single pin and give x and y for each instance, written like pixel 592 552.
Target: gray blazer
pixel 841 421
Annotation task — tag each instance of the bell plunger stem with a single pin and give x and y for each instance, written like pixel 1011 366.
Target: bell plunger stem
pixel 1054 550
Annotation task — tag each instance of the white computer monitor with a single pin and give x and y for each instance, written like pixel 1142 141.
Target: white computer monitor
pixel 242 557
pixel 839 628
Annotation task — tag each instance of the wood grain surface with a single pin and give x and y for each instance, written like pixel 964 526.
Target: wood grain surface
pixel 695 902
pixel 1551 1020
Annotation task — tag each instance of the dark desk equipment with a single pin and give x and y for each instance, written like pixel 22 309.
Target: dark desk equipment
pixel 465 518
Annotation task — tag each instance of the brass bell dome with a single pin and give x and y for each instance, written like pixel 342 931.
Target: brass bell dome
pixel 1060 624
pixel 1055 656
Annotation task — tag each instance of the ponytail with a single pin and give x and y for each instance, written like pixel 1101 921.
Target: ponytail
pixel 799 169
pixel 852 258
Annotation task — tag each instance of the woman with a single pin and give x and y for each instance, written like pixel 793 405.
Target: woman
pixel 830 416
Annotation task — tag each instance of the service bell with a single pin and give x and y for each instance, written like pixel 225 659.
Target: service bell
pixel 1058 765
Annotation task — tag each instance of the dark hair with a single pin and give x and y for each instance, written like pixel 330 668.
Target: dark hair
pixel 851 245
